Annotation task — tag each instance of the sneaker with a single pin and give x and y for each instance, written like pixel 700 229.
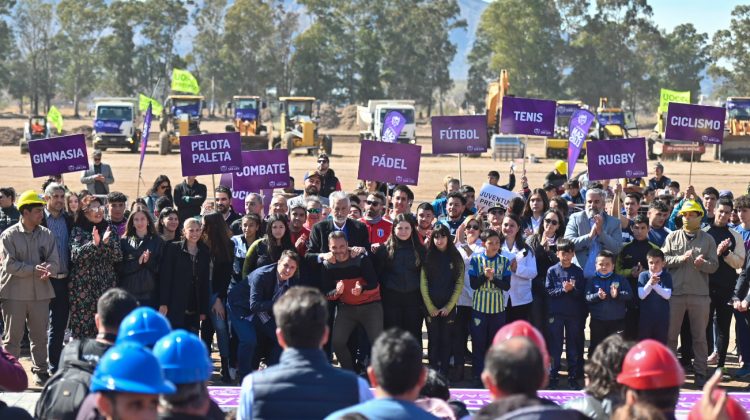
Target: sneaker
pixel 40 378
pixel 713 358
pixel 573 384
pixel 553 384
pixel 742 372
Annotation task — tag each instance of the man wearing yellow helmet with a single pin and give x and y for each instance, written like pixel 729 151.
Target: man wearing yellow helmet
pixel 29 259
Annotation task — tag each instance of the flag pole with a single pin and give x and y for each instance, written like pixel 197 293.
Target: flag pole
pixel 460 170
pixel 690 174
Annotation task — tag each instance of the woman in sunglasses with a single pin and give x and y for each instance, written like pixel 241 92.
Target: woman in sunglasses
pixel 543 245
pixel 94 251
pixel 162 188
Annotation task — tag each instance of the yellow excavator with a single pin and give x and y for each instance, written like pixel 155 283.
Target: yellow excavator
pixel 610 122
pixel 556 147
pixel 499 145
pixel 299 127
pixel 736 144
pixel 247 109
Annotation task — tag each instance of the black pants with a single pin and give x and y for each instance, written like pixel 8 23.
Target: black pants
pixel 539 316
pixel 686 341
pixel 516 313
pixel 721 314
pixel 601 329
pixel 403 310
pixel 59 309
pixel 632 319
pixel 440 332
pixel 461 335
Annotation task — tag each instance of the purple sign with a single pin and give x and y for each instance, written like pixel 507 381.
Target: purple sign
pixel 107 126
pixel 262 169
pixel 704 124
pixel 535 117
pixel 611 159
pixel 58 155
pixel 239 194
pixel 459 134
pixel 144 135
pixel 389 162
pixel 394 123
pixel 207 154
pixel 578 128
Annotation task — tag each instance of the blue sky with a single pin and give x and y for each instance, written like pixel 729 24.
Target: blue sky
pixel 707 15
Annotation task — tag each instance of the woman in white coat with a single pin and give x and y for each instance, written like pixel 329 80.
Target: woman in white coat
pixel 523 268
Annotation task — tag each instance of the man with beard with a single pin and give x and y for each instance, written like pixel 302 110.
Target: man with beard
pixel 328 181
pixel 425 221
pixel 117 204
pixel 356 232
pixel 312 188
pixel 300 234
pixel 657 219
pixel 223 200
pixel 379 228
pixel 456 206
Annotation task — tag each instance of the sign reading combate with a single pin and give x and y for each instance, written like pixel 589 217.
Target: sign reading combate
pixel 389 162
pixel 58 155
pixel 699 123
pixel 534 117
pixel 262 169
pixel 611 159
pixel 459 134
pixel 207 154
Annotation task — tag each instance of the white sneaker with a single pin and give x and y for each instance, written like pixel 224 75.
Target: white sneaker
pixel 713 359
pixel 233 373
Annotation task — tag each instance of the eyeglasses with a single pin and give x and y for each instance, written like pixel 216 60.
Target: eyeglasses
pixel 163 187
pixel 473 227
pixel 313 211
pixel 95 209
pixel 497 212
pixel 322 161
pixel 551 221
pixel 372 203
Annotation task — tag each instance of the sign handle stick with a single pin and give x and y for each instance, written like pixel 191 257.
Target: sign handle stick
pixel 690 174
pixel 524 143
pixel 213 181
pixel 460 170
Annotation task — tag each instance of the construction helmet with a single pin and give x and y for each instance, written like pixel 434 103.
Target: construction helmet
pixel 651 365
pixel 144 326
pixel 184 357
pixel 28 198
pixel 129 367
pixel 734 409
pixel 691 205
pixel 522 328
pixel 562 167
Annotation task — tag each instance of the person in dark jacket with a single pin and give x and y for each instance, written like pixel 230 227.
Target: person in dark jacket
pixel 250 302
pixel 162 187
pixel 185 270
pixel 535 208
pixel 607 294
pixel 189 196
pixel 328 183
pixel 142 248
pixel 9 214
pixel 268 249
pixel 399 266
pixel 303 385
pixel 441 284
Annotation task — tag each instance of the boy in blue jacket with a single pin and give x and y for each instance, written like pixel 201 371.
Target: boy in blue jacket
pixel 654 291
pixel 565 287
pixel 607 295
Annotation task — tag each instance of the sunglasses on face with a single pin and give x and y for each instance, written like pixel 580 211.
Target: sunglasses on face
pixel 322 161
pixel 473 227
pixel 313 211
pixel 163 187
pixel 95 209
pixel 551 222
pixel 372 203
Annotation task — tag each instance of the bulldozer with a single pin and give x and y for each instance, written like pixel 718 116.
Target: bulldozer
pixel 184 116
pixel 508 147
pixel 736 145
pixel 298 127
pixel 253 135
pixel 556 147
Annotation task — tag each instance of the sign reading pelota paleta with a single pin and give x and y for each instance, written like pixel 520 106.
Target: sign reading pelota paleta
pixel 207 154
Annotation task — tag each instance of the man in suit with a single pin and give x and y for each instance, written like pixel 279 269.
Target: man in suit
pixel 98 177
pixel 356 232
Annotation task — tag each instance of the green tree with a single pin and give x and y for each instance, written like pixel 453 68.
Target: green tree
pixel 35 26
pixel 731 55
pixel 209 21
pixel 161 21
pixel 117 50
pixel 312 69
pixel 682 62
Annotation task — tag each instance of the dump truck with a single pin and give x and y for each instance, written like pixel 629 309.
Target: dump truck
pixel 371 119
pixel 512 146
pixel 116 124
pixel 34 129
pixel 661 148
pixel 736 144
pixel 184 116
pixel 298 126
pixel 246 111
pixel 556 147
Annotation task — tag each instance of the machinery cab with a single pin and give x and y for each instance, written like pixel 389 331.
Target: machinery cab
pixel 34 129
pixel 738 116
pixel 246 112
pixel 610 121
pixel 185 113
pixel 298 125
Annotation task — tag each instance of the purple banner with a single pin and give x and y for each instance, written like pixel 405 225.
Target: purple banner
pixel 239 194
pixel 262 169
pixel 246 114
pixel 394 123
pixel 389 162
pixel 58 155
pixel 144 136
pixel 108 126
pixel 459 134
pixel 611 159
pixel 535 117
pixel 578 128
pixel 704 124
pixel 207 154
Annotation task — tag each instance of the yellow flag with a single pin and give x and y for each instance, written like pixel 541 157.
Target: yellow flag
pixel 183 81
pixel 55 117
pixel 666 96
pixel 144 101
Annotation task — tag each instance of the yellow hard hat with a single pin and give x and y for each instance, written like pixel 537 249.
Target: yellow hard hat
pixel 691 205
pixel 562 167
pixel 28 198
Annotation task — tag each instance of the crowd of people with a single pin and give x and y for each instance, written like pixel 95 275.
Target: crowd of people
pixel 318 277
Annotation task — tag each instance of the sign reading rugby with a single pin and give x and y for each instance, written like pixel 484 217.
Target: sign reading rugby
pixel 699 123
pixel 389 162
pixel 535 117
pixel 262 169
pixel 459 134
pixel 207 154
pixel 613 159
pixel 58 155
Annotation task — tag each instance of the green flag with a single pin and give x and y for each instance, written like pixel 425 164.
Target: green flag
pixel 668 96
pixel 55 117
pixel 183 81
pixel 144 101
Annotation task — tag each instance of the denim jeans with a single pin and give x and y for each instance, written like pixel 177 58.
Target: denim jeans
pixel 248 341
pixel 221 327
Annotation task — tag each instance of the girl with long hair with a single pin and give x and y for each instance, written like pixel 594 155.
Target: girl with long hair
pixel 523 269
pixel 168 225
pixel 536 205
pixel 268 249
pixel 141 256
pixel 162 187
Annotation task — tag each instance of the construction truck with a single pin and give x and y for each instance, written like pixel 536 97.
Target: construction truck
pixel 556 147
pixel 253 135
pixel 371 119
pixel 736 144
pixel 298 126
pixel 663 149
pixel 34 129
pixel 511 146
pixel 184 117
pixel 116 124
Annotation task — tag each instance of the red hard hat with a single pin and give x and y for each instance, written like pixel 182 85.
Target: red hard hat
pixel 651 365
pixel 522 328
pixel 734 409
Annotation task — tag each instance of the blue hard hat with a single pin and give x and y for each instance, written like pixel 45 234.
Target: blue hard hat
pixel 129 367
pixel 144 326
pixel 184 357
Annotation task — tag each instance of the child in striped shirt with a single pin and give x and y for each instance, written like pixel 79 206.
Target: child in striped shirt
pixel 489 276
